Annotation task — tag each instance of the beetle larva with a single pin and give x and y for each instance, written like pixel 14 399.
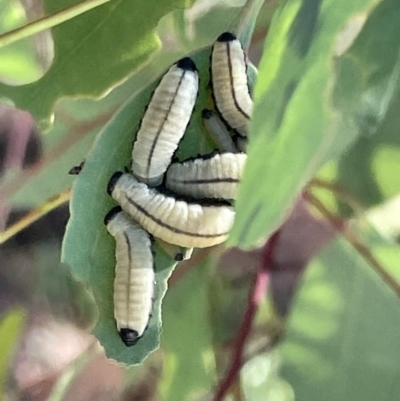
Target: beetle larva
pixel 165 122
pixel 134 276
pixel 229 82
pixel 218 131
pixel 215 177
pixel 191 225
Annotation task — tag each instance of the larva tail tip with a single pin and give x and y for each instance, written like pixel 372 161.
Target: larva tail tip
pixel 129 337
pixel 113 180
pixel 186 63
pixel 206 114
pixel 226 37
pixel 111 214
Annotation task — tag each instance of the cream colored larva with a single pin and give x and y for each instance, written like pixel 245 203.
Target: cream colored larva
pixel 241 143
pixel 191 225
pixel 134 276
pixel 165 122
pixel 218 131
pixel 229 82
pixel 215 177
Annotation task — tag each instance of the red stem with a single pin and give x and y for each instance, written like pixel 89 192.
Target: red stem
pixel 256 295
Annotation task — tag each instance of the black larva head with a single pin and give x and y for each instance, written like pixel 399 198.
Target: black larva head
pixel 179 257
pixel 129 337
pixel 226 37
pixel 113 180
pixel 186 63
pixel 111 214
pixel 207 114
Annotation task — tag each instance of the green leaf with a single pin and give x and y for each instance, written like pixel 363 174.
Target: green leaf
pixel 366 170
pixel 57 291
pixel 11 325
pixel 301 119
pixel 77 120
pixel 342 335
pixel 19 62
pixel 88 248
pixel 189 365
pixel 260 381
pixel 65 145
pixel 39 185
pixel 94 51
pixel 69 140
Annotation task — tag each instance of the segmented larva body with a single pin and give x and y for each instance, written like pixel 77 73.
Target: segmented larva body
pixel 229 82
pixel 190 225
pixel 218 131
pixel 165 122
pixel 134 276
pixel 241 143
pixel 216 177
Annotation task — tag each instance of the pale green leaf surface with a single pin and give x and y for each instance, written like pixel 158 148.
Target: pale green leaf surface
pixel 94 51
pixel 57 291
pixel 189 365
pixel 228 298
pixel 53 178
pixel 88 248
pixel 342 335
pixel 69 140
pixel 19 64
pixel 301 119
pixel 76 120
pixel 11 325
pixel 368 169
pixel 260 381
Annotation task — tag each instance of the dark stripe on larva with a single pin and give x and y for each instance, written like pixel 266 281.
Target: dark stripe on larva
pixel 128 244
pixel 207 181
pixel 235 101
pixel 173 229
pixel 153 146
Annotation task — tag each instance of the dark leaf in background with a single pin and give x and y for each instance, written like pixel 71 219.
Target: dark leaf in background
pixel 301 236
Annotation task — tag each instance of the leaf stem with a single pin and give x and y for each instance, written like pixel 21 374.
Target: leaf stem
pixel 362 249
pixel 256 295
pixel 49 21
pixel 34 215
pixel 342 193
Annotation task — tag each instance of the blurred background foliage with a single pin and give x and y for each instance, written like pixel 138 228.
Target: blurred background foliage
pixel 330 333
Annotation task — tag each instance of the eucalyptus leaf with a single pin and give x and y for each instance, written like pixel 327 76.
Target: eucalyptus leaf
pixel 11 325
pixel 367 170
pixel 19 61
pixel 187 337
pixel 94 51
pixel 77 120
pixel 301 118
pixel 342 335
pixel 88 248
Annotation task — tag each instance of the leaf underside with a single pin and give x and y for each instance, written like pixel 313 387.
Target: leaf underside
pixel 302 115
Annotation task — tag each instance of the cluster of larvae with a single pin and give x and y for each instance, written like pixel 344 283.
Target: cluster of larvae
pixel 187 204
